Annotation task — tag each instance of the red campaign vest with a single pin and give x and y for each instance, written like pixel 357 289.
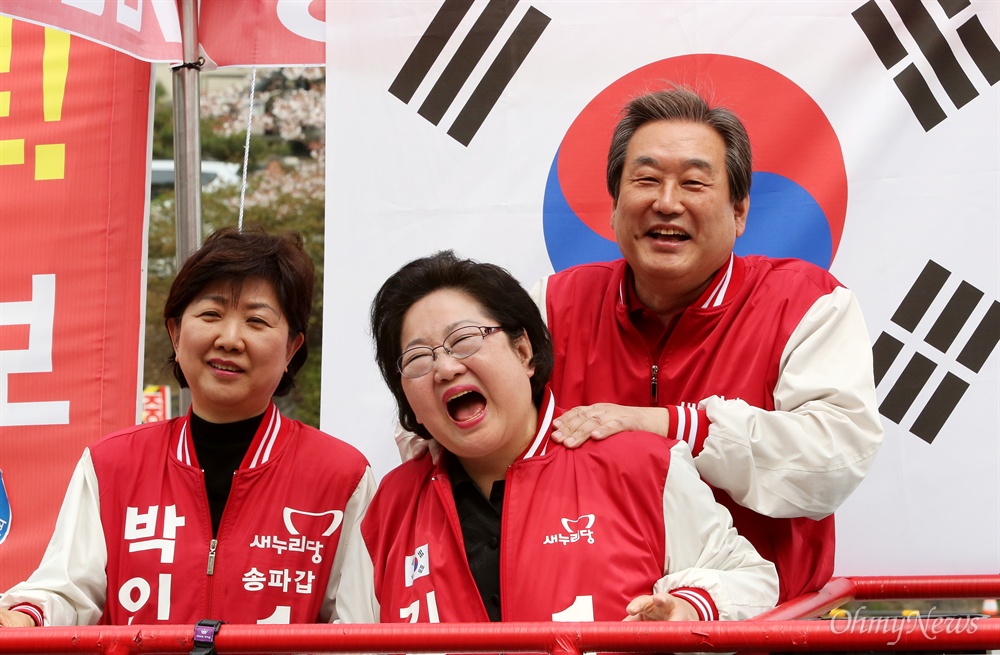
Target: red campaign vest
pixel 577 555
pixel 277 540
pixel 728 343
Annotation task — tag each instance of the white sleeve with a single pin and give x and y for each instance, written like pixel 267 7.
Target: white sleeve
pixel 406 442
pixel 806 457
pixel 70 585
pixel 538 293
pixel 704 551
pixel 350 592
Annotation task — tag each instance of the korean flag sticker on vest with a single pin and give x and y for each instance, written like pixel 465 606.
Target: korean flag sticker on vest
pixel 4 511
pixel 417 565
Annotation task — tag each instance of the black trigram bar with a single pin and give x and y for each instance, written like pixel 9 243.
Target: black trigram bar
pixel 911 381
pixel 940 406
pixel 428 48
pixel 955 315
pixel 919 96
pixel 884 353
pixel 952 7
pixel 983 340
pixel 485 97
pixel 920 296
pixel 873 23
pixel 982 50
pixel 936 50
pixel 975 39
pixel 469 53
pixel 467 56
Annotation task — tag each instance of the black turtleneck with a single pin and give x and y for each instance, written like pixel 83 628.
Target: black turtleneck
pixel 220 448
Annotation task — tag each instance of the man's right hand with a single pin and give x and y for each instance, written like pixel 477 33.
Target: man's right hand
pixel 602 420
pixel 9 619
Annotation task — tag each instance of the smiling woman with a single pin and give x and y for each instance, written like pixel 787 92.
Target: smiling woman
pixel 175 521
pixel 237 314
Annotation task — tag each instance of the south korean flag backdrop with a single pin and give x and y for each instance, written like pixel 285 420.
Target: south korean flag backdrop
pixel 483 127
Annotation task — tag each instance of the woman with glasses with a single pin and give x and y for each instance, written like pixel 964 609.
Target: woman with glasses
pixel 508 525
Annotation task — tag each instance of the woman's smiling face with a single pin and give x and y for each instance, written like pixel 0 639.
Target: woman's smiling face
pixel 478 408
pixel 233 351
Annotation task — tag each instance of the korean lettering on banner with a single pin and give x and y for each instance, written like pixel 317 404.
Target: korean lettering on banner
pixel 273 33
pixel 72 214
pixel 155 403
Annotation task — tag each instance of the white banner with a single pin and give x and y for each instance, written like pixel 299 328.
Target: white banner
pixel 481 128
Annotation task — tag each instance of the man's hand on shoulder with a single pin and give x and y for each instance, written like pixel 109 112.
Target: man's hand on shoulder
pixel 660 607
pixel 605 419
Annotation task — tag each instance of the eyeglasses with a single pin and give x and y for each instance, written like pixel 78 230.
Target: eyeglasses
pixel 460 343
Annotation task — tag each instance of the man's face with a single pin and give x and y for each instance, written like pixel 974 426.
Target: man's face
pixel 674 220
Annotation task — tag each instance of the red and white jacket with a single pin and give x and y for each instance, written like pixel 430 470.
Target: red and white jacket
pixel 583 533
pixel 768 377
pixel 133 541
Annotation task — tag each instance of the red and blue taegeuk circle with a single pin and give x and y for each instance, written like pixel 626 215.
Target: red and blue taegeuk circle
pixel 798 198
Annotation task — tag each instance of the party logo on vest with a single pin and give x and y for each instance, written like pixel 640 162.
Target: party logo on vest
pixel 328 521
pixel 574 530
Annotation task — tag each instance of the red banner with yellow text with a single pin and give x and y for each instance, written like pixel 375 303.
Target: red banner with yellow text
pixel 74 152
pixel 231 32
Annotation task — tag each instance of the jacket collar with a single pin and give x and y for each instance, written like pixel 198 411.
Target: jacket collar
pixel 265 444
pixel 724 284
pixel 540 444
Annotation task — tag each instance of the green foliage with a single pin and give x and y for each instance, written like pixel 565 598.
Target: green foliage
pixel 163 125
pixel 279 197
pixel 215 145
pixel 160 273
pixel 219 147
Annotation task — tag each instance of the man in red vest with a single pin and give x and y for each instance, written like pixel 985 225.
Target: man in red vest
pixel 762 365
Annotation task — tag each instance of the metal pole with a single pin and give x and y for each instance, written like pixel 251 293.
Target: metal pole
pixel 187 146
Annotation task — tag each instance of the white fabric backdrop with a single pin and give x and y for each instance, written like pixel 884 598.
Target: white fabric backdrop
pixel 399 187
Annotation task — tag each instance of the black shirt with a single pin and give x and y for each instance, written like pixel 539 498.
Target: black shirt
pixel 220 448
pixel 480 520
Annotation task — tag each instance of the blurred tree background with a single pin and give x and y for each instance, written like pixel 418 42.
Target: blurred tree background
pixel 285 191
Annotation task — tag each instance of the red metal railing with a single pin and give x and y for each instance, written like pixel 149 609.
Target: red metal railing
pixel 843 590
pixel 777 630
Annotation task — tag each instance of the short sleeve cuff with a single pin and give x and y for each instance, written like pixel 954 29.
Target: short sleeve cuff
pixel 32 611
pixel 688 424
pixel 701 600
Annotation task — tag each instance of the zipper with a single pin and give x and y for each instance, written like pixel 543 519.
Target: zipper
pixel 652 384
pixel 212 545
